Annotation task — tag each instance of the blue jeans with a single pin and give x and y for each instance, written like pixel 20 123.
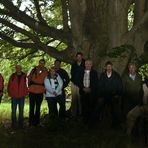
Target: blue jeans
pixel 20 103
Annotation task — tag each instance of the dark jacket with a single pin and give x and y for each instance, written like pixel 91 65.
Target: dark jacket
pixel 93 83
pixel 110 87
pixel 75 70
pixel 132 90
pixel 146 81
pixel 64 75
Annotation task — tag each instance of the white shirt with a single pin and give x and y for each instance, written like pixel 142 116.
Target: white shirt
pixel 86 79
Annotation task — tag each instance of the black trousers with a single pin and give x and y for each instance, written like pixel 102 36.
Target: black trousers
pixel 35 101
pixel 114 104
pixel 52 105
pixel 87 103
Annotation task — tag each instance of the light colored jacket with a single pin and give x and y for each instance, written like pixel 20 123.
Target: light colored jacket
pixel 50 88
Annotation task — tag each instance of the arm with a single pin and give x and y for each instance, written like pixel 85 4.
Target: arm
pixel 48 85
pixel 1 85
pixel 9 86
pixel 120 86
pixel 60 85
pixel 66 79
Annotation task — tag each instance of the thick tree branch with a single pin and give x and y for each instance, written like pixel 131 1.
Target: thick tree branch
pixel 65 15
pixel 4 12
pixel 66 55
pixel 44 30
pixel 129 2
pixel 39 15
pixel 48 42
pixel 146 6
pixel 47 49
pixel 128 36
pixel 17 29
pixel 26 55
pixel 138 10
pixel 17 44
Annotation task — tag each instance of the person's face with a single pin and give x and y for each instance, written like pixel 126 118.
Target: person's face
pixel 109 68
pixel 132 69
pixel 41 64
pixel 88 65
pixel 79 58
pixel 57 65
pixel 52 72
pixel 18 68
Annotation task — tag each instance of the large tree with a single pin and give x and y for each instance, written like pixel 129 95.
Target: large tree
pixel 60 28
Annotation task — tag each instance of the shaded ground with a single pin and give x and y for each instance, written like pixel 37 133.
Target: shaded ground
pixel 66 134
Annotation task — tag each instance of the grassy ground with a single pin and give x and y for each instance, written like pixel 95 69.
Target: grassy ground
pixel 62 134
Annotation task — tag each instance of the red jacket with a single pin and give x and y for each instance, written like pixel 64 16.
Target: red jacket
pixel 1 85
pixel 17 89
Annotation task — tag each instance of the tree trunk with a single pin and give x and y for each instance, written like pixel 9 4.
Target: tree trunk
pixel 101 25
pixel 97 29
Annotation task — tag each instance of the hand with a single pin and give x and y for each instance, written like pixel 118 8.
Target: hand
pixel 87 90
pixel 55 93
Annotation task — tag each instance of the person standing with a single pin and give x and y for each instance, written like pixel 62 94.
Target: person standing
pixel 17 90
pixel 36 90
pixel 54 93
pixel 138 110
pixel 64 75
pixel 1 87
pixel 76 68
pixel 132 89
pixel 88 86
pixel 110 89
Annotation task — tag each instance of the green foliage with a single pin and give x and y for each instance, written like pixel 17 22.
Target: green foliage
pixel 143 71
pixel 50 10
pixel 131 16
pixel 117 51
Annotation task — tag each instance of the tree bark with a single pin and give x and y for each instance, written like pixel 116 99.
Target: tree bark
pixel 96 28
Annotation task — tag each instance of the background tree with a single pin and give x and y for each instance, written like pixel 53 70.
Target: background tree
pixel 60 28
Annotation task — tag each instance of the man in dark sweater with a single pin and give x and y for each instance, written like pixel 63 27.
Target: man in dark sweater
pixel 64 75
pixel 110 89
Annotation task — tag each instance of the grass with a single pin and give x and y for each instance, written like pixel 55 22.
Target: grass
pixel 62 134
pixel 5 109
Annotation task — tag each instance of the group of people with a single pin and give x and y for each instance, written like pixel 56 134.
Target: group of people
pixel 92 94
pixel 38 82
pixel 124 97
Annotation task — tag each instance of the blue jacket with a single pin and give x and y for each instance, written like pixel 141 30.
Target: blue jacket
pixel 51 88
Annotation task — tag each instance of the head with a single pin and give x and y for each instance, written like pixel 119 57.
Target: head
pixel 79 56
pixel 132 68
pixel 18 69
pixel 52 71
pixel 88 64
pixel 108 66
pixel 57 64
pixel 41 63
